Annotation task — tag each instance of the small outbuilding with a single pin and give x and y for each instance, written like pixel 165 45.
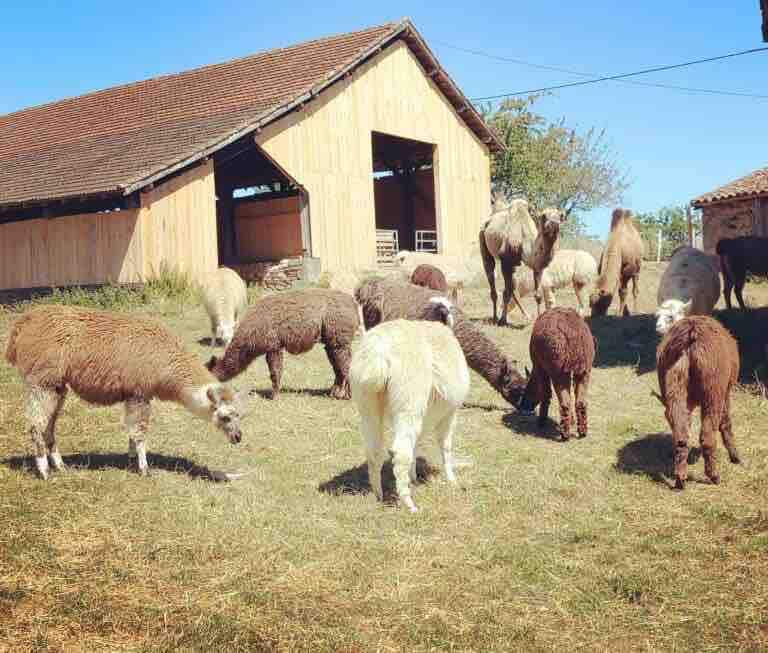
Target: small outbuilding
pixel 739 208
pixel 318 151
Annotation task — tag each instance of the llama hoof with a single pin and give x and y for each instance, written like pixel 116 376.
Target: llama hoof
pixel 273 395
pixel 735 459
pixel 340 393
pixel 715 478
pixel 502 322
pixel 679 484
pixel 410 504
pixel 564 437
pixel 582 435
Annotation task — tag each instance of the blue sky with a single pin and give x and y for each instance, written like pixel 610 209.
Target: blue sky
pixel 676 145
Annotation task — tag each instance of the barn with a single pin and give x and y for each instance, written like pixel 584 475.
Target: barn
pixel 739 208
pixel 314 152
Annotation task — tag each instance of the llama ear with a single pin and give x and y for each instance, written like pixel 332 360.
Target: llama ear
pixel 211 363
pixel 687 306
pixel 527 372
pixel 212 396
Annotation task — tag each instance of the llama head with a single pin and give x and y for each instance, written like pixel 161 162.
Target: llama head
pixel 533 394
pixel 671 311
pixel 511 383
pixel 223 410
pixel 600 301
pixel 440 310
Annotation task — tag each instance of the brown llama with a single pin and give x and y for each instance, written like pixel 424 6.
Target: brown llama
pixel 619 263
pixel 738 256
pixel 511 236
pixel 562 352
pixel 698 364
pixel 428 276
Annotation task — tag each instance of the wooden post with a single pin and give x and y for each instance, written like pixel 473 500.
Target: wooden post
pixel 688 213
pixel 306 231
pixel 658 249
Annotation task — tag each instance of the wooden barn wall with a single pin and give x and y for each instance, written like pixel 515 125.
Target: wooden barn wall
pixel 178 224
pixel 388 198
pixel 327 148
pixel 268 228
pixel 71 250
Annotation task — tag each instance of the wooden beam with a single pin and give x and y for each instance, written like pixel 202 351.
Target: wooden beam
pixel 306 228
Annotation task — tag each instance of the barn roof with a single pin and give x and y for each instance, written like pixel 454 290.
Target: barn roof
pixel 116 141
pixel 753 185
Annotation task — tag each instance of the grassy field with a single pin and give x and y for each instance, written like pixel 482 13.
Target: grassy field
pixel 541 546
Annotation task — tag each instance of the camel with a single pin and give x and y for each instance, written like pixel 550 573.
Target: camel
pixel 511 236
pixel 619 262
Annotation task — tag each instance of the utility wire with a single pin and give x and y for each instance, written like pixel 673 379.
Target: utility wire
pixel 520 62
pixel 604 78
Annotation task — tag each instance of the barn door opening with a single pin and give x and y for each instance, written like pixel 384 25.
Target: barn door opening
pixel 404 196
pixel 262 213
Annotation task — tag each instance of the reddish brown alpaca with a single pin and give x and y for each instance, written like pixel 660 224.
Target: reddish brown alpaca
pixel 428 276
pixel 698 364
pixel 562 351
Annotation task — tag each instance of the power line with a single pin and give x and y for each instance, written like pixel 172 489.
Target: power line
pixel 673 87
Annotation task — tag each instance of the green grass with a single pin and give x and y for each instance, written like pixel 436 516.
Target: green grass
pixel 541 546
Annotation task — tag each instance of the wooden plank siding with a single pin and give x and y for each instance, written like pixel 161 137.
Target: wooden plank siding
pixel 327 148
pixel 176 223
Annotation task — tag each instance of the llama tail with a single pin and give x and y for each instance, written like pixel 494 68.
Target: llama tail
pixel 11 354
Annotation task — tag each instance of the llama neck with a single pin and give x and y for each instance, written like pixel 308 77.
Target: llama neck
pixel 195 400
pixel 482 355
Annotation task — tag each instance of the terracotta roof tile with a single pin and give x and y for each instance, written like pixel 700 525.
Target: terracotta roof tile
pixel 751 185
pixel 109 140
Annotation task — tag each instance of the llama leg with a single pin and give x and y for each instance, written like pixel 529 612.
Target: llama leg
pixel 50 434
pixel 406 432
pixel 545 388
pixel 726 430
pixel 537 294
pixel 489 265
pixel 582 385
pixel 40 409
pixel 339 359
pixel 372 427
pixel 679 418
pixel 727 287
pixel 137 413
pixel 275 364
pixel 739 287
pixel 444 431
pixel 563 391
pixel 710 422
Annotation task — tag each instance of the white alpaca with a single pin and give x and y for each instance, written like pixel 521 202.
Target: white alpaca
pixel 569 267
pixel 689 286
pixel 459 272
pixel 108 358
pixel 225 298
pixel 411 376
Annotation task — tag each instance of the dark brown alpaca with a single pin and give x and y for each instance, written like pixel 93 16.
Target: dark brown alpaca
pixel 389 299
pixel 428 276
pixel 698 364
pixel 738 256
pixel 294 321
pixel 562 351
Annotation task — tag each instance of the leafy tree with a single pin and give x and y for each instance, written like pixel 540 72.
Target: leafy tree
pixel 552 165
pixel 672 222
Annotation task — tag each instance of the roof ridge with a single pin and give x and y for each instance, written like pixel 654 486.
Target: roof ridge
pixel 392 26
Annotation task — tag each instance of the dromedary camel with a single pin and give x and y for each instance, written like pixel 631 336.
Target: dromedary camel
pixel 619 263
pixel 511 236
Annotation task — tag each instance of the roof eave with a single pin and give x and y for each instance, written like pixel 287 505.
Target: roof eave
pixel 699 203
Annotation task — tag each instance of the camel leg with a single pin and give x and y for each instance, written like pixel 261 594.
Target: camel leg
pixel 582 386
pixel 537 290
pixel 623 308
pixel 339 359
pixel 275 364
pixel 563 391
pixel 508 269
pixel 489 265
pixel 726 431
pixel 635 290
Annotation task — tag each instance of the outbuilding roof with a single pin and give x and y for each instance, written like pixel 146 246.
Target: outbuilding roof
pixel 753 185
pixel 116 141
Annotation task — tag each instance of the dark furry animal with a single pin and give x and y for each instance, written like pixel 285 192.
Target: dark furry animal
pixel 738 256
pixel 294 321
pixel 562 350
pixel 698 364
pixel 428 276
pixel 390 299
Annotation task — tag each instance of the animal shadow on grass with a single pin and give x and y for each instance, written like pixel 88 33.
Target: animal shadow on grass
pixel 528 425
pixel 95 461
pixel 488 321
pixel 266 393
pixel 625 341
pixel 651 456
pixel 748 327
pixel 356 481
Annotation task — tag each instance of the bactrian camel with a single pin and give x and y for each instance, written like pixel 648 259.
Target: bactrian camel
pixel 511 236
pixel 619 262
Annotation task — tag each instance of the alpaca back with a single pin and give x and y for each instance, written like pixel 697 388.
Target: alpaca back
pixel 104 357
pixel 408 366
pixel 561 342
pixel 697 360
pixel 225 295
pixel 691 274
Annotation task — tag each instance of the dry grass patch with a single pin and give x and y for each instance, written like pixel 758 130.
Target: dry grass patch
pixel 541 546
